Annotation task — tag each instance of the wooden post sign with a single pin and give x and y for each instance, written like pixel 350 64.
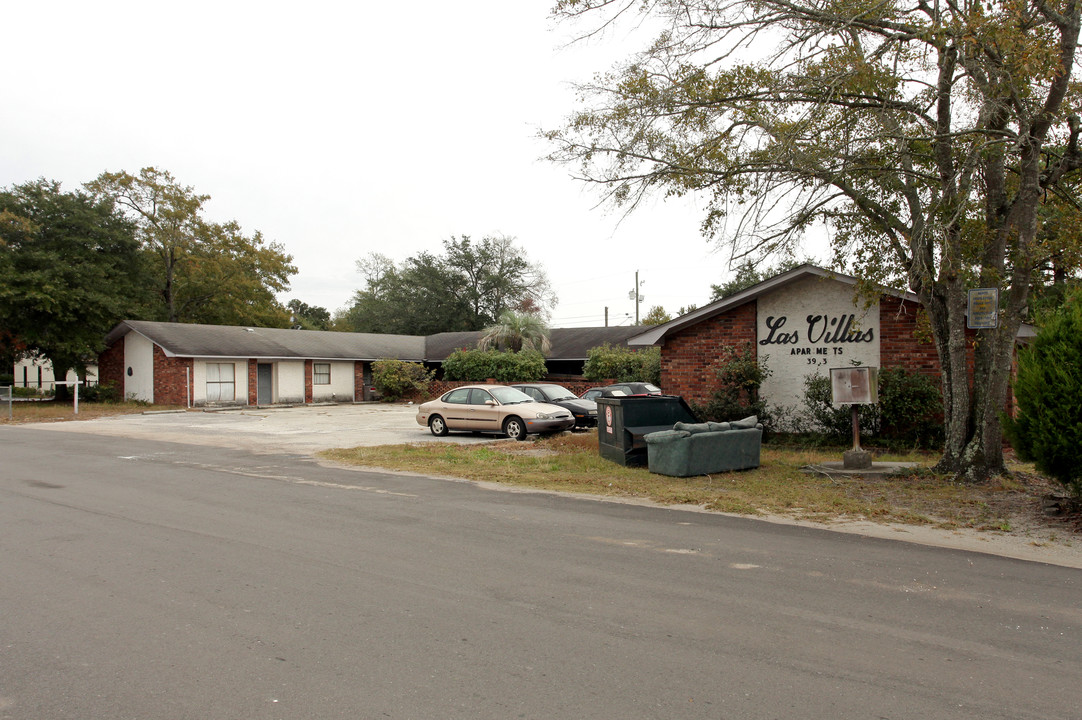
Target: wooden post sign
pixel 855 386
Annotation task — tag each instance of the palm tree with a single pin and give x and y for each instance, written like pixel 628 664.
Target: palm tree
pixel 516 331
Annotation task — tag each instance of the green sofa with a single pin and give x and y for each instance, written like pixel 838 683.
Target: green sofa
pixel 702 448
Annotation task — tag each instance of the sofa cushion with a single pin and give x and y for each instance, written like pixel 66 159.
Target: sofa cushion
pixel 719 427
pixel 747 423
pixel 665 436
pixel 692 427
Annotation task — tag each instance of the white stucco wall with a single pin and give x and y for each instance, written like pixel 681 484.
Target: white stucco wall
pixel 341 387
pixel 26 374
pixel 240 381
pixel 809 327
pixel 289 381
pixel 138 368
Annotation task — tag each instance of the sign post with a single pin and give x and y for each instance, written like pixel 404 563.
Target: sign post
pixel 855 386
pixel 76 383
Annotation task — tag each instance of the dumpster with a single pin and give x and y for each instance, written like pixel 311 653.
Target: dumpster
pixel 623 421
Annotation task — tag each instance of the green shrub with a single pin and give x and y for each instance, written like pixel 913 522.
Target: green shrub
pixel 908 414
pixel 397 378
pixel 102 392
pixel 31 392
pixel 739 376
pixel 835 422
pixel 910 410
pixel 1047 428
pixel 504 366
pixel 622 364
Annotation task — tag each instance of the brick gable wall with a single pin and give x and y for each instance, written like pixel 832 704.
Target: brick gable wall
pixel 687 358
pixel 111 367
pixel 171 378
pixel 900 344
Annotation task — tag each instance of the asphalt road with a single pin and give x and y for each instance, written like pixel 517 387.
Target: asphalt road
pixel 150 580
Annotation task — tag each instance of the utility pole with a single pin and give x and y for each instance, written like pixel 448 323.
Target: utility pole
pixel 634 295
pixel 606 316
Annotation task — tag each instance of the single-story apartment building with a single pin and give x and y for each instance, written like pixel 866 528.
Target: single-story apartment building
pixel 190 364
pixel 799 323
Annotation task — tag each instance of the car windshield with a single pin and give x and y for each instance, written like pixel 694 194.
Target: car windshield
pixel 555 392
pixel 509 396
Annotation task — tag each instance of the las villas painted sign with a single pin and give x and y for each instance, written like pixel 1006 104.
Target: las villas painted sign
pixel 806 328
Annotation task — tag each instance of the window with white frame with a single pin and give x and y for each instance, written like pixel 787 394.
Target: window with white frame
pixel 221 382
pixel 321 373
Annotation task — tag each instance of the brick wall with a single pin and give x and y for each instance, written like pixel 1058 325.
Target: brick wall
pixel 307 381
pixel 171 377
pixel 111 367
pixel 253 382
pixel 899 344
pixel 687 358
pixel 437 388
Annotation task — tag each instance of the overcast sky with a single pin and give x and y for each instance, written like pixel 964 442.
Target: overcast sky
pixel 343 128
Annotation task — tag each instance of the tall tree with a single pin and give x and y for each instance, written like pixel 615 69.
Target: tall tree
pixel 69 270
pixel 749 273
pixel 309 317
pixel 422 296
pixel 205 272
pixel 656 316
pixel 925 135
pixel 498 277
pixel 467 288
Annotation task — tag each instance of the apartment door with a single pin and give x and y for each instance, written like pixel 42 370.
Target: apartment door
pixel 264 384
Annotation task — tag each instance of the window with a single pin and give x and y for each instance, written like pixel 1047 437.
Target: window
pixel 461 396
pixel 479 397
pixel 221 386
pixel 321 373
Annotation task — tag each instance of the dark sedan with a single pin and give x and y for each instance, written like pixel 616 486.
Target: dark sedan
pixel 585 411
pixel 628 389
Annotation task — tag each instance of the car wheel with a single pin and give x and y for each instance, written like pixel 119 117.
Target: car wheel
pixel 515 428
pixel 437 426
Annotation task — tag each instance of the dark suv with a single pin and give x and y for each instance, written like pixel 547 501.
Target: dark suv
pixel 585 411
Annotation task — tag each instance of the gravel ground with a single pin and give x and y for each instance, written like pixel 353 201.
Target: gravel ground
pixel 304 430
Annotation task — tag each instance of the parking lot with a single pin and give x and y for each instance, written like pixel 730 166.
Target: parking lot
pixel 303 430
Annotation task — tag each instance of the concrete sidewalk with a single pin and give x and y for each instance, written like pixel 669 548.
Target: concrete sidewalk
pixel 300 429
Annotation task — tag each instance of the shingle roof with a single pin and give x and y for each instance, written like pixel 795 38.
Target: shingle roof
pixel 567 343
pixel 191 340
pixel 654 335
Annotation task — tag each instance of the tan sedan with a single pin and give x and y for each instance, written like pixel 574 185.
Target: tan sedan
pixel 492 409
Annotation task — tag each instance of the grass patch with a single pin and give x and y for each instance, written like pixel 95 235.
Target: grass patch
pixel 53 411
pixel 570 462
